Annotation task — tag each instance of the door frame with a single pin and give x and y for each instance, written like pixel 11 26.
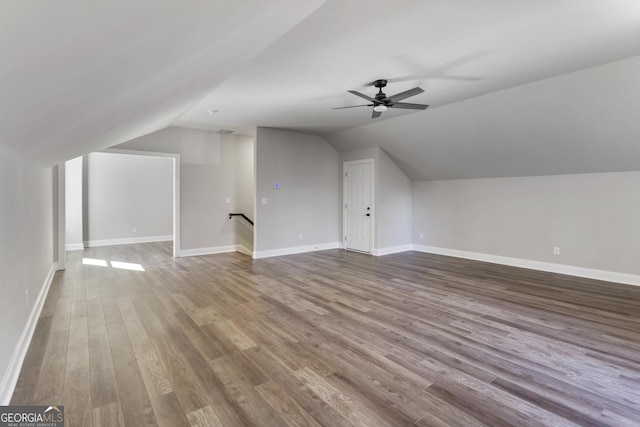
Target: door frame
pixel 176 188
pixel 372 222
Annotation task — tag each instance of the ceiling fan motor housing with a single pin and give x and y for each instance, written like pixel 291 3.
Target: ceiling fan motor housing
pixel 380 96
pixel 380 83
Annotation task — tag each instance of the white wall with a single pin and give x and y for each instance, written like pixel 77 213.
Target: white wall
pixel 73 204
pixel 392 198
pixel 207 179
pixel 592 218
pixel 26 257
pixel 126 192
pixel 307 202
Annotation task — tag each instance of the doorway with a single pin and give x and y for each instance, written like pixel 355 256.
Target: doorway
pixel 358 205
pixel 78 211
pixel 175 190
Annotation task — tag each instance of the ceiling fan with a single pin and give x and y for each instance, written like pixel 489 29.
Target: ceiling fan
pixel 381 102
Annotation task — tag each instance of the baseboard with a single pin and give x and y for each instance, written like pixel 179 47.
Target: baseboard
pixel 215 250
pixel 391 250
pixel 243 249
pixel 127 241
pixel 588 273
pixel 74 246
pixel 295 250
pixel 10 377
pixel 208 251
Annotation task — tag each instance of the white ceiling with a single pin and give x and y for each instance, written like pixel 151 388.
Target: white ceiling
pixel 85 76
pixel 78 76
pixel 582 122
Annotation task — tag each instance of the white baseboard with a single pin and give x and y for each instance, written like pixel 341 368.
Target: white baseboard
pixel 74 246
pixel 127 241
pixel 208 251
pixel 589 273
pixel 243 249
pixel 391 250
pixel 215 250
pixel 10 377
pixel 296 250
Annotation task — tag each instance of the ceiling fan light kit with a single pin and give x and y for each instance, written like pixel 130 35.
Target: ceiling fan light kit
pixel 381 102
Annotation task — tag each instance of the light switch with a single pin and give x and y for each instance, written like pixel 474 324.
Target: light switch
pixel 264 200
pixel 227 200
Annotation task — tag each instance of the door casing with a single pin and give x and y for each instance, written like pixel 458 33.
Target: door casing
pixel 345 166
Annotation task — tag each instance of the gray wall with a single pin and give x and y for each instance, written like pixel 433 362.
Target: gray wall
pixel 393 212
pixel 307 202
pixel 245 176
pixel 73 204
pixel 26 242
pixel 245 188
pixel 207 180
pixel 392 198
pixel 126 192
pixel 593 218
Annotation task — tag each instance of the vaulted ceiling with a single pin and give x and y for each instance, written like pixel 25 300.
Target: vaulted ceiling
pixel 523 87
pixel 77 76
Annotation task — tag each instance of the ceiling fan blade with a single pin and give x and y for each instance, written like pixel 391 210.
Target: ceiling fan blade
pixel 362 95
pixel 406 94
pixel 376 114
pixel 353 106
pixel 409 106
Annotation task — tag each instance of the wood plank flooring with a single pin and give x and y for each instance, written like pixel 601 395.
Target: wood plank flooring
pixel 331 338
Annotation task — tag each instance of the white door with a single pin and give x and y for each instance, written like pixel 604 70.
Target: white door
pixel 358 209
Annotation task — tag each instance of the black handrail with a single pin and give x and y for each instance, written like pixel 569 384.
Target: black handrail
pixel 242 215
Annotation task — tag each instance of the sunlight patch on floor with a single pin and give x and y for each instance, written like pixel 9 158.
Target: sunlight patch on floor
pixel 96 262
pixel 127 266
pixel 115 264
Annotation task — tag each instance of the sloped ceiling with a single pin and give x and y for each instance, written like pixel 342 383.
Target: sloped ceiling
pixel 78 76
pixel 478 62
pixel 581 122
pixel 511 85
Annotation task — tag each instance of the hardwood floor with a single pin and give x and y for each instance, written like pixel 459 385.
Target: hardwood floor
pixel 331 338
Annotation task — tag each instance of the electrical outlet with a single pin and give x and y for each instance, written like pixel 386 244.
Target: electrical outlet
pixel 134 229
pixel 422 235
pixel 556 250
pixel 300 236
